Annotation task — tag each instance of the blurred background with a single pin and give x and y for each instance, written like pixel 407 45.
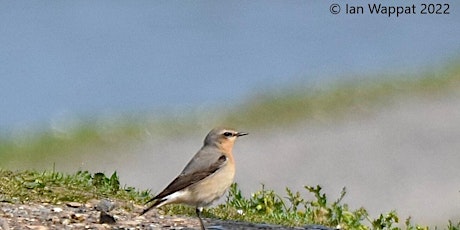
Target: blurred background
pixel 369 102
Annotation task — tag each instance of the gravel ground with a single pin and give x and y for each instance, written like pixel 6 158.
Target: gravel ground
pixel 404 156
pixel 93 215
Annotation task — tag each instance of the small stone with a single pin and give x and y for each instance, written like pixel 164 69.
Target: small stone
pixel 79 226
pixel 66 222
pixel 78 217
pixel 105 218
pixel 105 205
pixel 37 227
pixel 74 204
pixel 55 219
pixel 57 209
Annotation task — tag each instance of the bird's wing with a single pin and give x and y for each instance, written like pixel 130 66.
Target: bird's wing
pixel 186 179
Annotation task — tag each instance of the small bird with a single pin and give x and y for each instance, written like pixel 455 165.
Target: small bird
pixel 206 177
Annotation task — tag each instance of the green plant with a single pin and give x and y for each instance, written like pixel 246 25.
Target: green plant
pixel 263 206
pixel 55 187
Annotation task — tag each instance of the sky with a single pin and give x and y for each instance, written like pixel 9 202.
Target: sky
pixel 62 59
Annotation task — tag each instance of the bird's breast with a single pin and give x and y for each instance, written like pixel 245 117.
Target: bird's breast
pixel 213 187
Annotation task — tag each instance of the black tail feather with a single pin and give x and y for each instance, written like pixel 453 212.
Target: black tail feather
pixel 154 205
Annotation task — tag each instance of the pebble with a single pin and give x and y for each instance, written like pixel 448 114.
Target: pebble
pixel 37 227
pixel 54 219
pixel 74 204
pixel 105 205
pixel 57 209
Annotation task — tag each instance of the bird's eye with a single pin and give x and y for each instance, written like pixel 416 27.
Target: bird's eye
pixel 228 134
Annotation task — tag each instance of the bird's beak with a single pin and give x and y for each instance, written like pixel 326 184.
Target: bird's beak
pixel 239 134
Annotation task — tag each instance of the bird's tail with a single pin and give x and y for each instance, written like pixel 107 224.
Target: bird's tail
pixel 156 204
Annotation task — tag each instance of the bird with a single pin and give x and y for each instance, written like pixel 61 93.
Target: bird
pixel 206 177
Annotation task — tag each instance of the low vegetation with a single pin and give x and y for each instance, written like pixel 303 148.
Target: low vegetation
pixel 264 206
pixel 55 188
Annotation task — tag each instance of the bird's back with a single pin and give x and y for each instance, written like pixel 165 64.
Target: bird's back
pixel 204 158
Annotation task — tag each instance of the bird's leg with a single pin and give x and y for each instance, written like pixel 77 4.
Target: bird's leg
pixel 198 213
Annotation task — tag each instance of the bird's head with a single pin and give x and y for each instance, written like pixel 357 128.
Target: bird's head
pixel 222 137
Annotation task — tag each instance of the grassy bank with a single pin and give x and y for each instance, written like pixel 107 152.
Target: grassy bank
pixel 337 99
pixel 285 106
pixel 263 206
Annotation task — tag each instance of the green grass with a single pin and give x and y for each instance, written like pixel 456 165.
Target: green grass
pixel 263 206
pixel 54 187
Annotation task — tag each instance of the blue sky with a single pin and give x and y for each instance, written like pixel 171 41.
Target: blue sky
pixel 98 57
